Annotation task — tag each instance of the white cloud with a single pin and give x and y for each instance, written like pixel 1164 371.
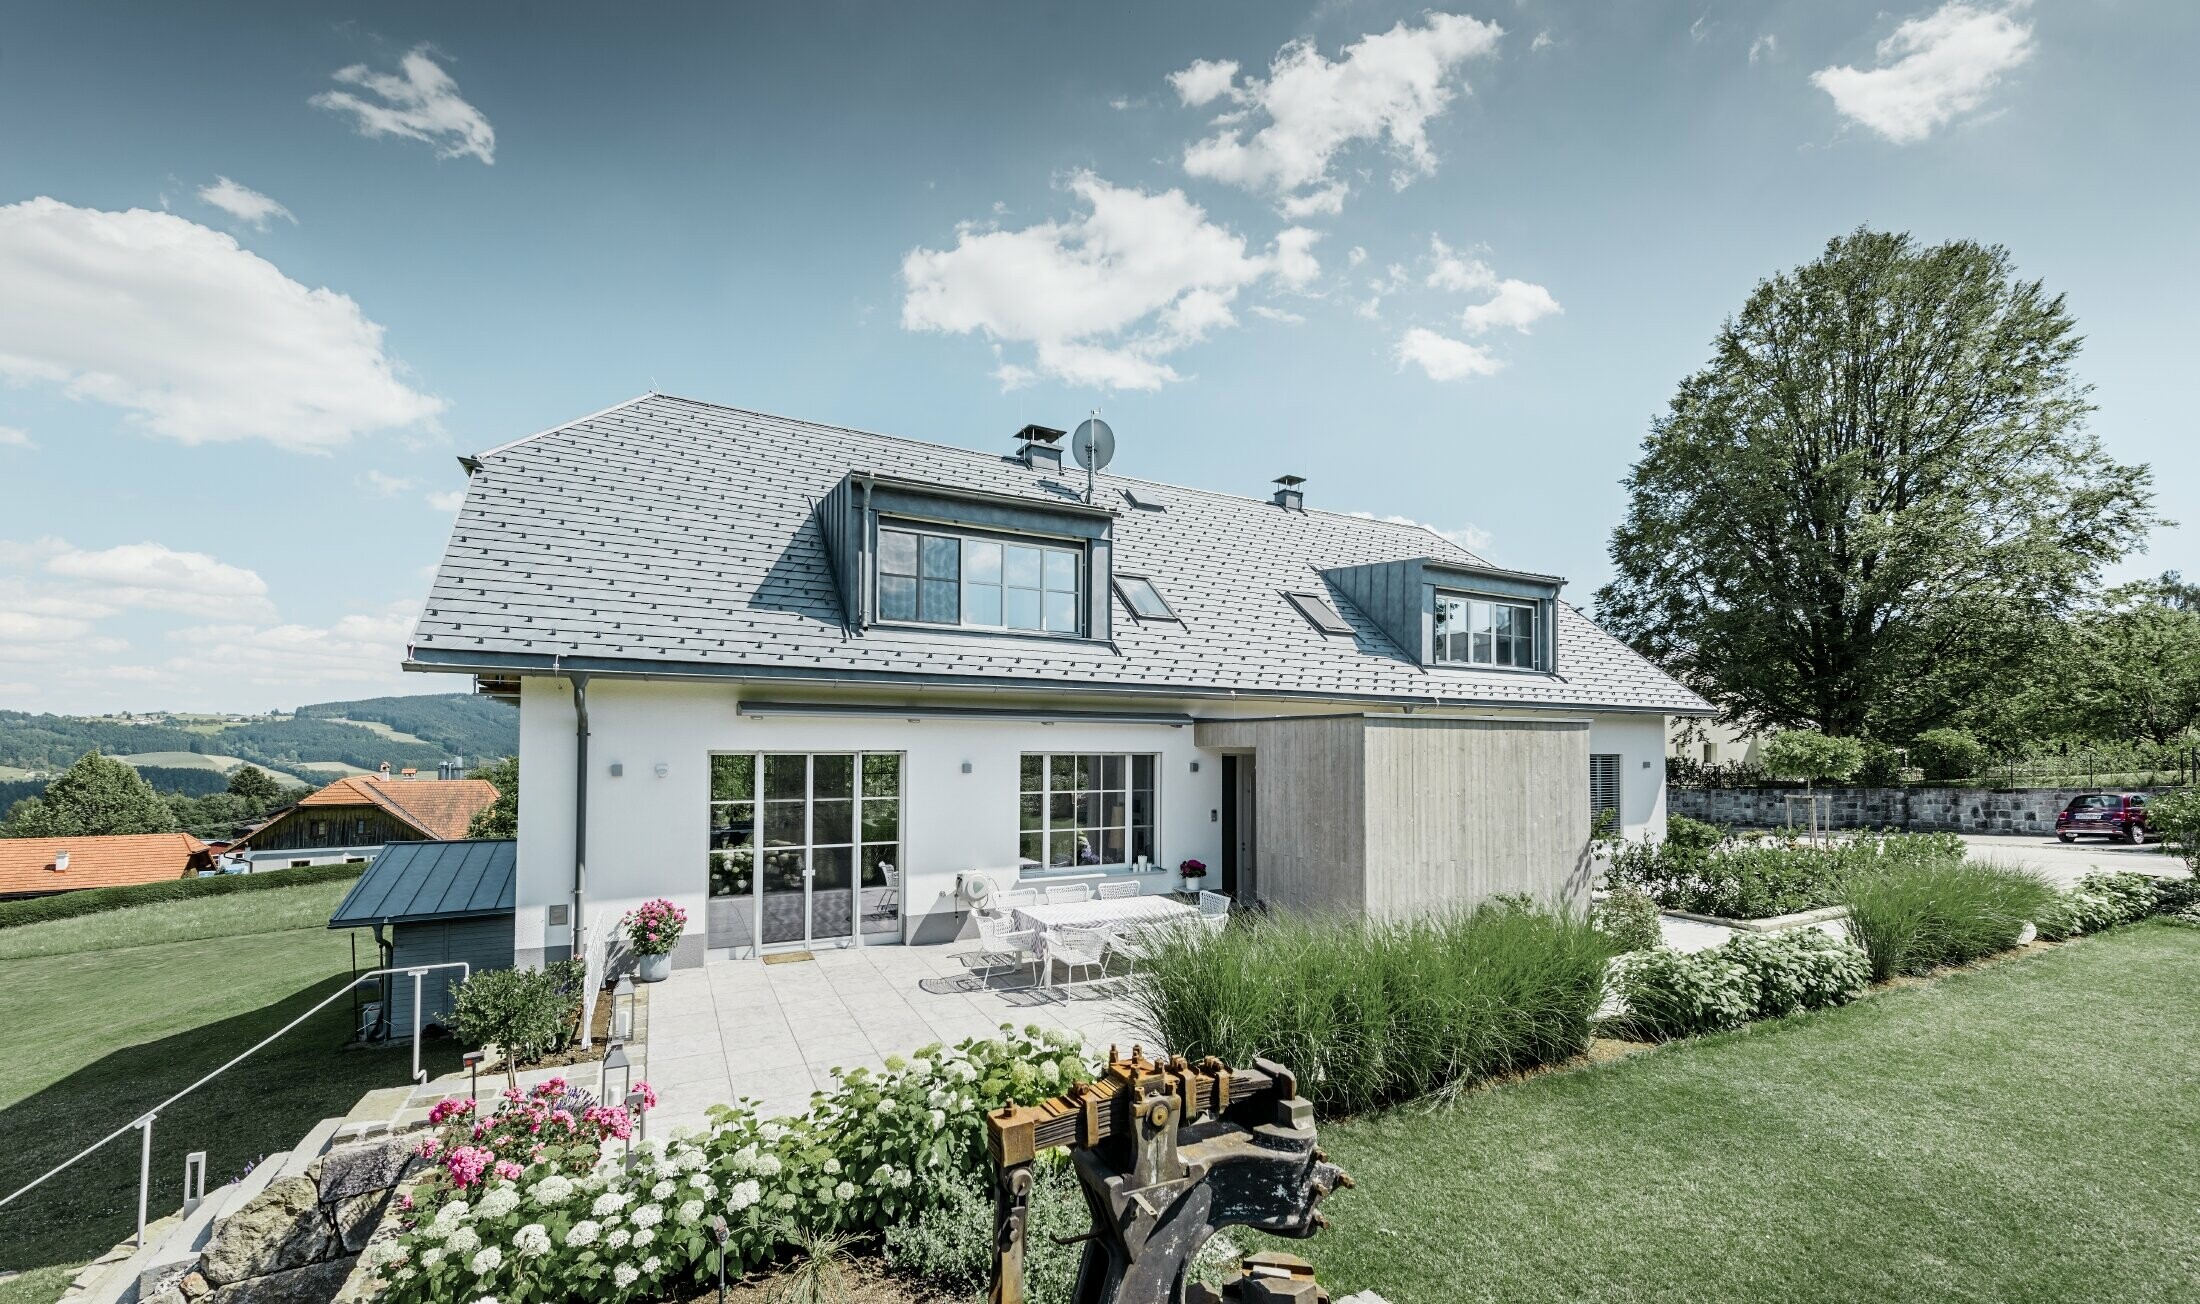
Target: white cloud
pixel 244 203
pixel 1386 86
pixel 1205 81
pixel 1441 357
pixel 385 484
pixel 198 338
pixel 11 437
pixel 356 650
pixel 1699 29
pixel 153 576
pixel 1284 316
pixel 1450 271
pixel 446 501
pixel 1764 47
pixel 1518 304
pixel 419 102
pixel 1355 256
pixel 1103 298
pixel 1541 42
pixel 1932 70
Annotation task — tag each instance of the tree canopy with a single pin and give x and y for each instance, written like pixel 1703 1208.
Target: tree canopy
pixel 502 819
pixel 254 784
pixel 97 795
pixel 1875 497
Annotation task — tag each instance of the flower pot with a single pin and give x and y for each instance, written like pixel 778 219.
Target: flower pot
pixel 653 968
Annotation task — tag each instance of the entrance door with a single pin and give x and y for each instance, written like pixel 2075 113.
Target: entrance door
pixel 1239 868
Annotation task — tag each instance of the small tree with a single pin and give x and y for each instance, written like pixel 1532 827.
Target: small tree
pixel 525 1013
pixel 1809 755
pixel 502 819
pixel 97 795
pixel 1948 754
pixel 2176 817
pixel 254 785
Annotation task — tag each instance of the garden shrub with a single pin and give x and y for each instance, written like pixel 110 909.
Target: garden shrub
pixel 1671 993
pixel 1630 919
pixel 553 1126
pixel 2105 900
pixel 1799 969
pixel 526 1013
pixel 1809 755
pixel 1882 767
pixel 874 1152
pixel 2175 818
pixel 1761 878
pixel 948 1246
pixel 1684 836
pixel 1367 1012
pixel 97 900
pixel 1945 754
pixel 1916 916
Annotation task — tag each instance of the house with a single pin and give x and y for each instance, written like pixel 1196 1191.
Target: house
pixel 350 819
pixel 808 681
pixel 432 903
pixel 31 867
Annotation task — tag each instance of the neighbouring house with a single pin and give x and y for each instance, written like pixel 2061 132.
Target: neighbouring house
pixel 432 903
pixel 352 818
pixel 1713 742
pixel 807 681
pixel 32 867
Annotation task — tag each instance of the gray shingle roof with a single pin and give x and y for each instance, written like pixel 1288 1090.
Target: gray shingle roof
pixel 666 535
pixel 431 880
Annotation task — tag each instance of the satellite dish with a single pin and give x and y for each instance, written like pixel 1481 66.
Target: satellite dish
pixel 1093 445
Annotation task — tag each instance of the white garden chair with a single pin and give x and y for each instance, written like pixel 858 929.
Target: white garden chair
pixel 1077 948
pixel 1004 945
pixel 1117 891
pixel 1069 894
pixel 1214 910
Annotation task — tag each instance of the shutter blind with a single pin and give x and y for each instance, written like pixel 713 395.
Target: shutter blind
pixel 1604 787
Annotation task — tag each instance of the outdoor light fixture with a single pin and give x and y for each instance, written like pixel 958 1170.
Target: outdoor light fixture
pixel 617 769
pixel 614 1060
pixel 966 767
pixel 716 1226
pixel 1195 767
pixel 663 769
pixel 473 1073
pixel 622 1009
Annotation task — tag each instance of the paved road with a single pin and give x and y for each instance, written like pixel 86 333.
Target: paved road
pixel 2066 864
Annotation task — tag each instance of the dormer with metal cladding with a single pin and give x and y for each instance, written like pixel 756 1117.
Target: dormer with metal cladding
pixel 915 555
pixel 1454 615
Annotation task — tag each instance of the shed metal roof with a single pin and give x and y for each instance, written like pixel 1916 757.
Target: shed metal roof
pixel 666 536
pixel 415 881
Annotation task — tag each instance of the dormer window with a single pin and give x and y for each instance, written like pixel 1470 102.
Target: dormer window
pixel 1473 631
pixel 947 579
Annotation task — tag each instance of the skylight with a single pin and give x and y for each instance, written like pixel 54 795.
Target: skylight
pixel 1319 613
pixel 1149 503
pixel 1144 600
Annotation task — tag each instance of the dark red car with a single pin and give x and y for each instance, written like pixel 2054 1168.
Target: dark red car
pixel 2104 815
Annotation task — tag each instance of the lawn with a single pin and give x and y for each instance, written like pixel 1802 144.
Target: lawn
pixel 2022 1131
pixel 105 1015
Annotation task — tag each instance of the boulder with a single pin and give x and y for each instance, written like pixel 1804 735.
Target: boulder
pixel 315 1284
pixel 366 1166
pixel 193 1285
pixel 282 1228
pixel 357 1216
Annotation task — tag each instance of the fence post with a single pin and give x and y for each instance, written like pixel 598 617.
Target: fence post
pixel 145 1171
pixel 417 975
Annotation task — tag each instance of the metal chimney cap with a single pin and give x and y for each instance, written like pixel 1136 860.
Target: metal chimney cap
pixel 1039 434
pixel 1289 481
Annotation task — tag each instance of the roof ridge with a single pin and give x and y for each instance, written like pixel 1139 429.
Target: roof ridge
pixel 511 444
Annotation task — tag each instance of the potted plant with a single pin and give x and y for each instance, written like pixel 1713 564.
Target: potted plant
pixel 1193 870
pixel 652 930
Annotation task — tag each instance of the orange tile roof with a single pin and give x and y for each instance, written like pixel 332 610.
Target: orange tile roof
pixel 439 808
pixel 114 860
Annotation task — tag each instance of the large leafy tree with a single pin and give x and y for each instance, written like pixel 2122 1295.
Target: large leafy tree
pixel 1861 511
pixel 96 795
pixel 502 819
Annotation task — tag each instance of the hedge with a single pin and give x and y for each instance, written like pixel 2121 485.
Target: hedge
pixel 92 901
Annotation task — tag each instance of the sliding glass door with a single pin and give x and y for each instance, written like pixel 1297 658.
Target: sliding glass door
pixel 806 845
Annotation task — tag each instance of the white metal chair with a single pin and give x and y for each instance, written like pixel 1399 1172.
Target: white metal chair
pixel 1133 944
pixel 1005 946
pixel 890 899
pixel 1023 896
pixel 1077 948
pixel 1116 891
pixel 1214 910
pixel 1069 894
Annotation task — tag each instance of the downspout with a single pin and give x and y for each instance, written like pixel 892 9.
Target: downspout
pixel 580 810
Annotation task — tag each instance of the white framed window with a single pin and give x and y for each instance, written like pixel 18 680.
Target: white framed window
pixel 1473 631
pixel 1144 600
pixel 947 579
pixel 1087 810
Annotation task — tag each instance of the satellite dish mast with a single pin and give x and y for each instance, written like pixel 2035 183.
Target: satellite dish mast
pixel 1094 447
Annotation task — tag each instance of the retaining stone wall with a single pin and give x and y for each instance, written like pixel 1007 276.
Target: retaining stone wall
pixel 1919 810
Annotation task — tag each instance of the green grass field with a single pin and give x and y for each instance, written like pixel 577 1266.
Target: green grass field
pixel 184 760
pixel 2021 1132
pixel 105 1015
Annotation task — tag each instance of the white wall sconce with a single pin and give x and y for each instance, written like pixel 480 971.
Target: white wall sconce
pixel 617 768
pixel 663 769
pixel 1195 767
pixel 966 767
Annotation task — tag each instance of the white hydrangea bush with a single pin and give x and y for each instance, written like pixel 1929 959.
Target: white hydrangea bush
pixel 1800 969
pixel 870 1152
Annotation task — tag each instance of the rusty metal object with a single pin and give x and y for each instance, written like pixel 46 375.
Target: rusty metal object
pixel 1167 1155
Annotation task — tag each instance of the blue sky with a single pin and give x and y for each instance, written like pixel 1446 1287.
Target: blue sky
pixel 266 269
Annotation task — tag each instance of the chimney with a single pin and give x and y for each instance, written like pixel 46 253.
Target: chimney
pixel 61 862
pixel 1039 447
pixel 1288 495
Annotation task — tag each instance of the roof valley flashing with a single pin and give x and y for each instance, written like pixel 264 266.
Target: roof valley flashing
pixel 673 539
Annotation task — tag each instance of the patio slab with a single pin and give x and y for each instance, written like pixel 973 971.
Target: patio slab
pixel 774 1033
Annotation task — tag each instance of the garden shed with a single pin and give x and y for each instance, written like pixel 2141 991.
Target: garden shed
pixel 429 903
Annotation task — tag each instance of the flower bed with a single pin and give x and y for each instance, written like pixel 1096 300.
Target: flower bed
pixel 575 1222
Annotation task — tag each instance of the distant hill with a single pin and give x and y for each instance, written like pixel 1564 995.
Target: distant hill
pixel 422 732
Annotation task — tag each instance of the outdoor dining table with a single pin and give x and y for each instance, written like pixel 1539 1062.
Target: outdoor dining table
pixel 1100 916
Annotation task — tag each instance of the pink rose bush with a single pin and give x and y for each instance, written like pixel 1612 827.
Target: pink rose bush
pixel 654 927
pixel 581 1223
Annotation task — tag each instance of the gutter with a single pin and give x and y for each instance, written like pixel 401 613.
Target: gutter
pixel 580 810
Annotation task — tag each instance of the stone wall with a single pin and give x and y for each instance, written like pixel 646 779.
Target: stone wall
pixel 1919 810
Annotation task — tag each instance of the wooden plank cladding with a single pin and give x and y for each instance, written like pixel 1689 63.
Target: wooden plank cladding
pixel 1395 815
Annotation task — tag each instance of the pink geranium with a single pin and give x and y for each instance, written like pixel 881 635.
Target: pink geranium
pixel 654 927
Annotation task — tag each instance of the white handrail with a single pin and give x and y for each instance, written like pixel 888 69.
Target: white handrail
pixel 145 1120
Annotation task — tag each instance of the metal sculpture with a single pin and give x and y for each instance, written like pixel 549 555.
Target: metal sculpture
pixel 1167 1155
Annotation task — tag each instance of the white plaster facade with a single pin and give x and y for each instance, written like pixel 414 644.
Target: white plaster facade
pixel 648 833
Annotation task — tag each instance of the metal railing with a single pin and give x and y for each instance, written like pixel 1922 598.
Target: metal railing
pixel 144 1122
